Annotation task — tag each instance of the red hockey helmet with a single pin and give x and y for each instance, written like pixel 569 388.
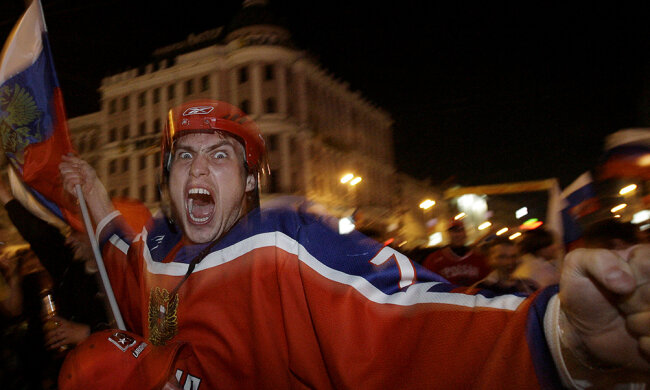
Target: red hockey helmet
pixel 207 116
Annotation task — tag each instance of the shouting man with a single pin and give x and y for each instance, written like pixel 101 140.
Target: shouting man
pixel 275 298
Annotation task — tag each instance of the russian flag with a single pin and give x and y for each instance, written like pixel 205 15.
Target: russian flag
pixel 627 155
pixel 33 124
pixel 579 199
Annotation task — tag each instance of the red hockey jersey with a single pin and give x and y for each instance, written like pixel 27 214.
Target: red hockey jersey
pixel 462 270
pixel 284 301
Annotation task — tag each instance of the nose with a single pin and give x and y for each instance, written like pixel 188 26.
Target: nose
pixel 199 165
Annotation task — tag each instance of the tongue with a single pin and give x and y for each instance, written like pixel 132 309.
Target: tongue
pixel 200 208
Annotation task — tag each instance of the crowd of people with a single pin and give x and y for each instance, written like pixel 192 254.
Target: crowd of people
pixel 217 292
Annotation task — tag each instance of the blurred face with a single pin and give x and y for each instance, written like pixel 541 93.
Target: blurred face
pixel 503 258
pixel 550 252
pixel 208 185
pixel 457 236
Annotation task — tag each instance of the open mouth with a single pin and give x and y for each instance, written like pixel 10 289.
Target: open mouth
pixel 200 205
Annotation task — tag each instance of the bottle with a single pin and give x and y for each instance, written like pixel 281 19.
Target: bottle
pixel 48 314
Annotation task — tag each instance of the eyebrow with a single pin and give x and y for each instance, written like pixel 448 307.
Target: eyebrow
pixel 217 145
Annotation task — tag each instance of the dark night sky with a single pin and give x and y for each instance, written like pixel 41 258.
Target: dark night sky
pixel 479 94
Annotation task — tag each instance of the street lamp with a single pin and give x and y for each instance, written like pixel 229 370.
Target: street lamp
pixel 627 189
pixel 618 208
pixel 350 179
pixel 427 204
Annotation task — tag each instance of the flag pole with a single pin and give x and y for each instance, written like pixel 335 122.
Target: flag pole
pixel 100 263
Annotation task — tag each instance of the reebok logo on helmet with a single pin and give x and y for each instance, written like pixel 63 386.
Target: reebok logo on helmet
pixel 200 110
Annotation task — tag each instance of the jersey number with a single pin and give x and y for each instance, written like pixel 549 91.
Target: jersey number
pixel 404 265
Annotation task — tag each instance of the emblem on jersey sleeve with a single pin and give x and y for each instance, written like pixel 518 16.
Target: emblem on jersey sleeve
pixel 163 322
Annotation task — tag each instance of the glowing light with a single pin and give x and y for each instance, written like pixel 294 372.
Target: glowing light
pixel 459 216
pixel 435 239
pixel 641 216
pixel 618 208
pixel 513 236
pixel 346 225
pixel 501 231
pixel 401 244
pixel 617 216
pixel 521 212
pixel 531 224
pixel 355 181
pixel 627 189
pixel 347 178
pixel 389 241
pixel 427 204
pixel 484 225
pixel 644 161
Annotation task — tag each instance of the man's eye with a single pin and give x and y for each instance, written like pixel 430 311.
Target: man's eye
pixel 184 155
pixel 220 154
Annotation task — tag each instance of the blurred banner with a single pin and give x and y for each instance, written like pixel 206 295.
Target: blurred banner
pixel 627 155
pixel 33 123
pixel 579 199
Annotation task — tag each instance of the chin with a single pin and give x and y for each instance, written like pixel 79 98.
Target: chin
pixel 199 235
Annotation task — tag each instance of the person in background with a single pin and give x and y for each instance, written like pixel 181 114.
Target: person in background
pixel 503 258
pixel 458 262
pixel 68 273
pixel 27 364
pixel 11 297
pixel 540 259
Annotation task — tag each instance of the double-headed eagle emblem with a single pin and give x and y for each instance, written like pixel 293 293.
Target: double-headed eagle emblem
pixel 163 322
pixel 18 110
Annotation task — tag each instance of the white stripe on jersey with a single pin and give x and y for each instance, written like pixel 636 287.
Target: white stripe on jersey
pixel 415 294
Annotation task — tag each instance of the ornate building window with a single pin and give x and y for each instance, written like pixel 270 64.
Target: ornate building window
pixel 112 135
pixel 205 83
pixel 269 73
pixel 171 91
pixel 243 75
pixel 245 106
pixel 270 106
pixel 112 106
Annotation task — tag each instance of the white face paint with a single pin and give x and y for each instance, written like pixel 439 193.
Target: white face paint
pixel 208 184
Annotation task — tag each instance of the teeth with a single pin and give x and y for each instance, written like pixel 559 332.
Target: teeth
pixel 190 206
pixel 199 191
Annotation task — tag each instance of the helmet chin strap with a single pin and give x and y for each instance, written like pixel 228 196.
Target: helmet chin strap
pixel 196 260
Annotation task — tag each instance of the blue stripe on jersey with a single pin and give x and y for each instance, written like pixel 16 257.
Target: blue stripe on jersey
pixel 545 369
pixel 349 253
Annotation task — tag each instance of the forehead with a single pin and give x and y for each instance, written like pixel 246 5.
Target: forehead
pixel 207 139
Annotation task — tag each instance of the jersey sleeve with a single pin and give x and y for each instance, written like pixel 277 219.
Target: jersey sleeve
pixel 377 320
pixel 120 248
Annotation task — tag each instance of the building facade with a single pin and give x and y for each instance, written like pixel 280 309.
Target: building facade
pixel 316 128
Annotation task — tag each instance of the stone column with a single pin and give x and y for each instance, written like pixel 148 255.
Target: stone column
pixel 285 163
pixel 281 72
pixel 257 107
pixel 234 85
